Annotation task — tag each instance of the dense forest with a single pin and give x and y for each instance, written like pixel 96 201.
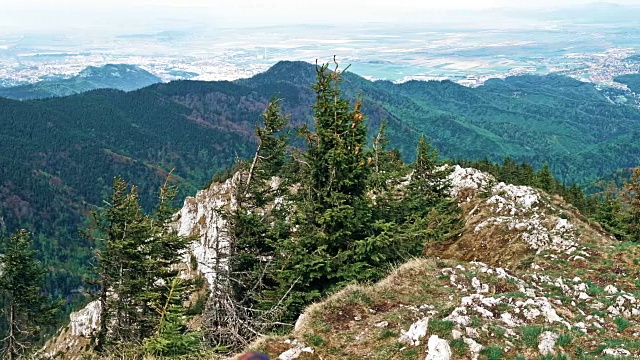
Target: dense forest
pixel 324 232
pixel 60 156
pixel 631 80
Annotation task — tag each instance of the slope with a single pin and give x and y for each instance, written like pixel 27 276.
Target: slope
pixel 59 155
pixel 59 158
pixel 536 119
pixel 111 76
pixel 529 278
pixel 631 80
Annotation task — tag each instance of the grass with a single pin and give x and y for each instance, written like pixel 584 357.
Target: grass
pixel 498 331
pixel 493 352
pixel 622 323
pixel 459 347
pixel 530 335
pixel 442 328
pixel 314 340
pixel 564 340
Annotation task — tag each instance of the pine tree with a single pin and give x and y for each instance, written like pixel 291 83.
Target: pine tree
pixel 24 308
pixel 632 199
pixel 332 211
pixel 254 227
pixel 430 214
pixel 172 338
pixel 137 252
pixel 545 179
pixel 387 166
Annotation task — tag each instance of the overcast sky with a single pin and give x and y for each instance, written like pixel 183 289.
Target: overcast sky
pixel 62 14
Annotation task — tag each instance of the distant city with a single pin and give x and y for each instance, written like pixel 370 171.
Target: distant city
pixel 587 51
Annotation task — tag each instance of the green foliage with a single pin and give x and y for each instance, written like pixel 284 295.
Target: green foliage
pixel 492 353
pixel 172 337
pixel 24 308
pixel 564 340
pixel 441 328
pixel 333 239
pixel 621 323
pixel 619 209
pixel 631 80
pixel 459 347
pixel 137 254
pixel 530 335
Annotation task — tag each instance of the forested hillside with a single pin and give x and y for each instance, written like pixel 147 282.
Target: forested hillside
pixel 631 80
pixel 112 76
pixel 59 156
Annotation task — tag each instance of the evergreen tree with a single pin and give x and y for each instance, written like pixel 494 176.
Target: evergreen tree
pixel 545 180
pixel 172 338
pixel 24 308
pixel 613 216
pixel 137 252
pixel 632 199
pixel 386 163
pixel 430 213
pixel 255 226
pixel 333 212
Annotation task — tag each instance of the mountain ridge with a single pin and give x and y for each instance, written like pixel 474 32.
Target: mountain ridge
pixel 59 155
pixel 119 76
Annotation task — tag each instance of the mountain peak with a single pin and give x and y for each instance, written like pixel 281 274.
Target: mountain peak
pixel 113 70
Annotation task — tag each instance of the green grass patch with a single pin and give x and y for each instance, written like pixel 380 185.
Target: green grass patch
pixel 622 323
pixel 459 347
pixel 564 340
pixel 386 334
pixel 314 340
pixel 498 331
pixel 493 353
pixel 442 328
pixel 530 335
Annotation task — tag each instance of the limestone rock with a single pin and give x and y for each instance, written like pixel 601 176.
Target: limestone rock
pixel 616 352
pixel 86 321
pixel 416 331
pixel 474 348
pixel 295 352
pixel 438 349
pixel 547 341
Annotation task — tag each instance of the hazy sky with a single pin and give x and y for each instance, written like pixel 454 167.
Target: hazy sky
pixel 65 14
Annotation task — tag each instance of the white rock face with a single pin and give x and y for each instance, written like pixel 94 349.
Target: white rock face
pixel 438 349
pixel 202 216
pixel 616 352
pixel 610 289
pixel 295 352
pixel 85 322
pixel 547 341
pixel 474 348
pixel 416 331
pixel 468 178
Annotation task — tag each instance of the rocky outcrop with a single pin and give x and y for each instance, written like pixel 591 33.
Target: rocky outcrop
pixel 525 262
pixel 202 216
pixel 529 276
pixel 86 321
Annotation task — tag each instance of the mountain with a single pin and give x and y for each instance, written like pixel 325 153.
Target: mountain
pixel 536 119
pixel 58 156
pixel 111 76
pixel 631 80
pixel 529 277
